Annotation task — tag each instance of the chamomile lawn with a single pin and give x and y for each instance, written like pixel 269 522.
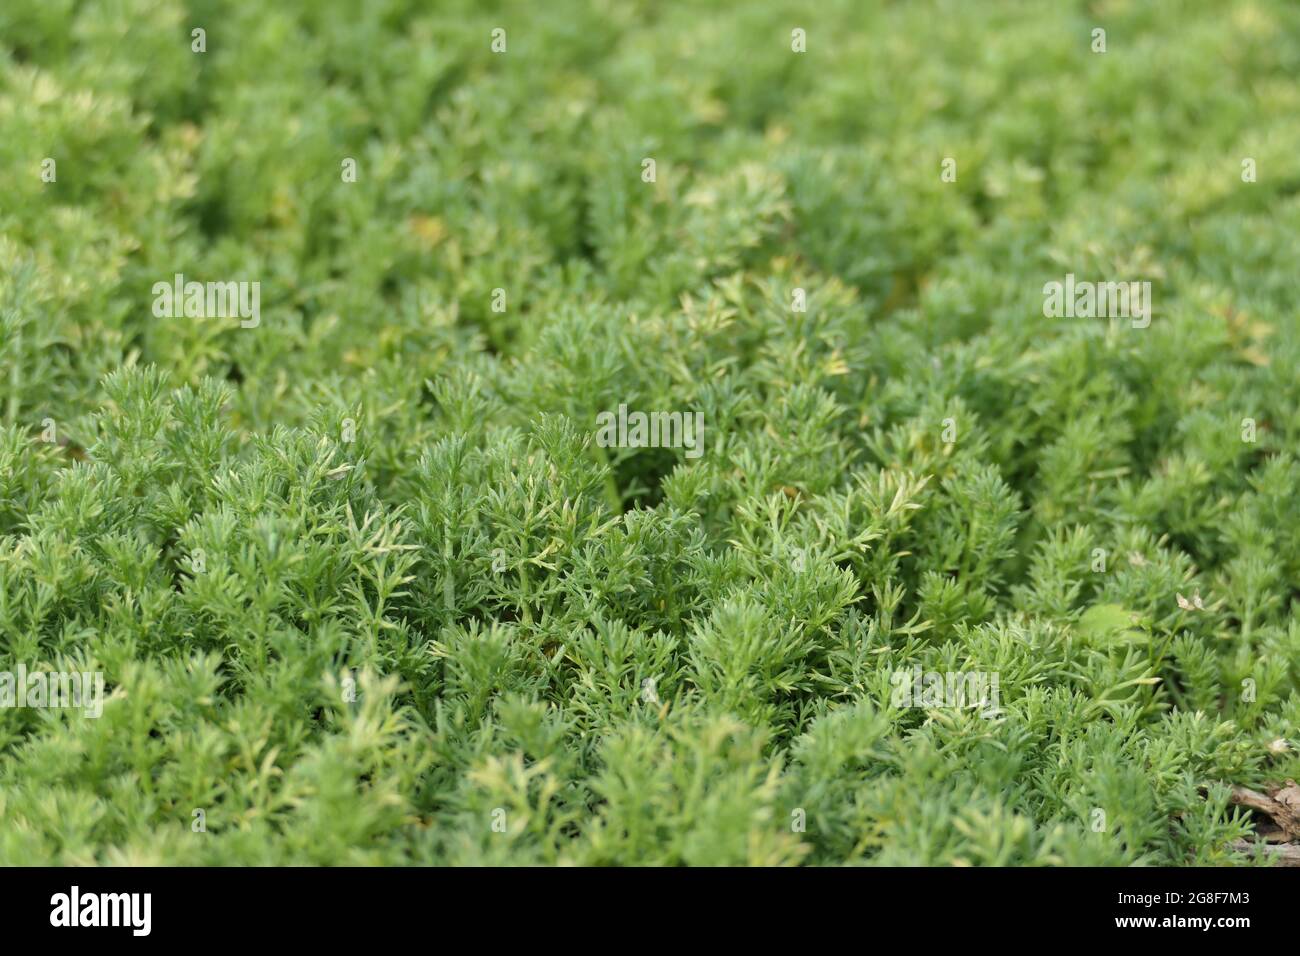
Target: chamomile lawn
pixel 363 585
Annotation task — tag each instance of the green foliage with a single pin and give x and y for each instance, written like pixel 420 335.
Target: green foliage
pixel 364 588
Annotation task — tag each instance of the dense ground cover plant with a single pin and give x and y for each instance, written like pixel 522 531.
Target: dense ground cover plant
pixel 364 587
